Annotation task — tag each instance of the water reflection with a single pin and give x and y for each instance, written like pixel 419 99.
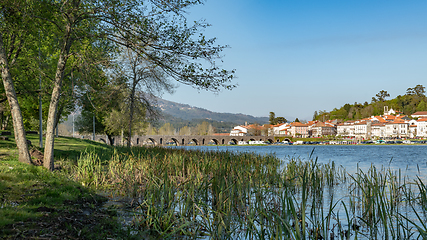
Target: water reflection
pixel 411 160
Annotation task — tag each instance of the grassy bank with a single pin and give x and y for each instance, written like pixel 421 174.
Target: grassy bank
pixel 172 193
pixel 36 203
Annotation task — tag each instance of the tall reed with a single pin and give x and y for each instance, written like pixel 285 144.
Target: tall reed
pixel 227 195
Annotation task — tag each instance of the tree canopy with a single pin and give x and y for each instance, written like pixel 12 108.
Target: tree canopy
pixel 72 46
pixel 414 100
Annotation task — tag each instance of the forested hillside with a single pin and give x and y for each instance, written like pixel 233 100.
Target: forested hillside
pixel 175 111
pixel 412 101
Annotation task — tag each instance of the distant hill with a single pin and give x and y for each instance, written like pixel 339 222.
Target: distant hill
pixel 174 111
pixel 180 115
pixel 414 100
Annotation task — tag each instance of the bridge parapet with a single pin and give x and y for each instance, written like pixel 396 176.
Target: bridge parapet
pixel 163 140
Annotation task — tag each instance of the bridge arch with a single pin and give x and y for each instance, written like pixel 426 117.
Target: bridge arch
pixel 152 140
pixel 191 140
pixel 175 141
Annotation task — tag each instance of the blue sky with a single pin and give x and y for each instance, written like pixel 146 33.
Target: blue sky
pixel 296 57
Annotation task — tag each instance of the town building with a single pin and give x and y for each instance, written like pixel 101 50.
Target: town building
pixel 422 114
pixel 322 129
pixel 384 126
pixel 397 129
pixel 421 127
pixel 298 129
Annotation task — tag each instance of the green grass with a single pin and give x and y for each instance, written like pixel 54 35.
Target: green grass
pixel 175 193
pixel 32 198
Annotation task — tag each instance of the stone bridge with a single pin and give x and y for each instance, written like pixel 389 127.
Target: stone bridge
pixel 162 140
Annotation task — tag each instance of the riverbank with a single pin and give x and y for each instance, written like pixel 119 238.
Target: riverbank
pixel 177 193
pixel 36 203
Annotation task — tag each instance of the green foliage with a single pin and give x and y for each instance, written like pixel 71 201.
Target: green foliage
pixel 273 120
pixel 166 129
pixel 25 188
pixel 281 120
pixel 184 113
pixel 201 128
pixel 242 195
pixel 422 106
pixel 413 101
pixel 418 90
pixel 382 95
pixel 315 114
pixel 203 194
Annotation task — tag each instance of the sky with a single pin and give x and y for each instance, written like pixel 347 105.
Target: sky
pixel 297 57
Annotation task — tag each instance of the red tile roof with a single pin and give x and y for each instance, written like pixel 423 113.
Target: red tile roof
pixel 420 113
pixel 221 134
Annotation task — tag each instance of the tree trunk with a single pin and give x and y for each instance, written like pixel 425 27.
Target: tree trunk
pixel 131 109
pixel 1 117
pixel 18 124
pixel 48 161
pixel 110 139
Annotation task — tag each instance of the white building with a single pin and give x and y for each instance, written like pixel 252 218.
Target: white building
pixel 362 129
pixel 388 112
pixel 239 131
pixel 346 129
pixel 281 129
pixel 378 130
pixel 397 129
pixel 421 127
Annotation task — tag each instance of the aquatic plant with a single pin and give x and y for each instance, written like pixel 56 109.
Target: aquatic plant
pixel 228 195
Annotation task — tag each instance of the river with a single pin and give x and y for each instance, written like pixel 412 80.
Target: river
pixel 410 159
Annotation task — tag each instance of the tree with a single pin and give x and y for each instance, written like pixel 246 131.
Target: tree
pixel 265 129
pixel 272 118
pixel 422 106
pixel 418 90
pixel 18 124
pixel 315 114
pixel 185 131
pixel 144 81
pixel 382 95
pixel 281 120
pixel 10 17
pixel 205 128
pixel 167 129
pixel 150 130
pixel 154 29
pixel 254 130
pixel 297 120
